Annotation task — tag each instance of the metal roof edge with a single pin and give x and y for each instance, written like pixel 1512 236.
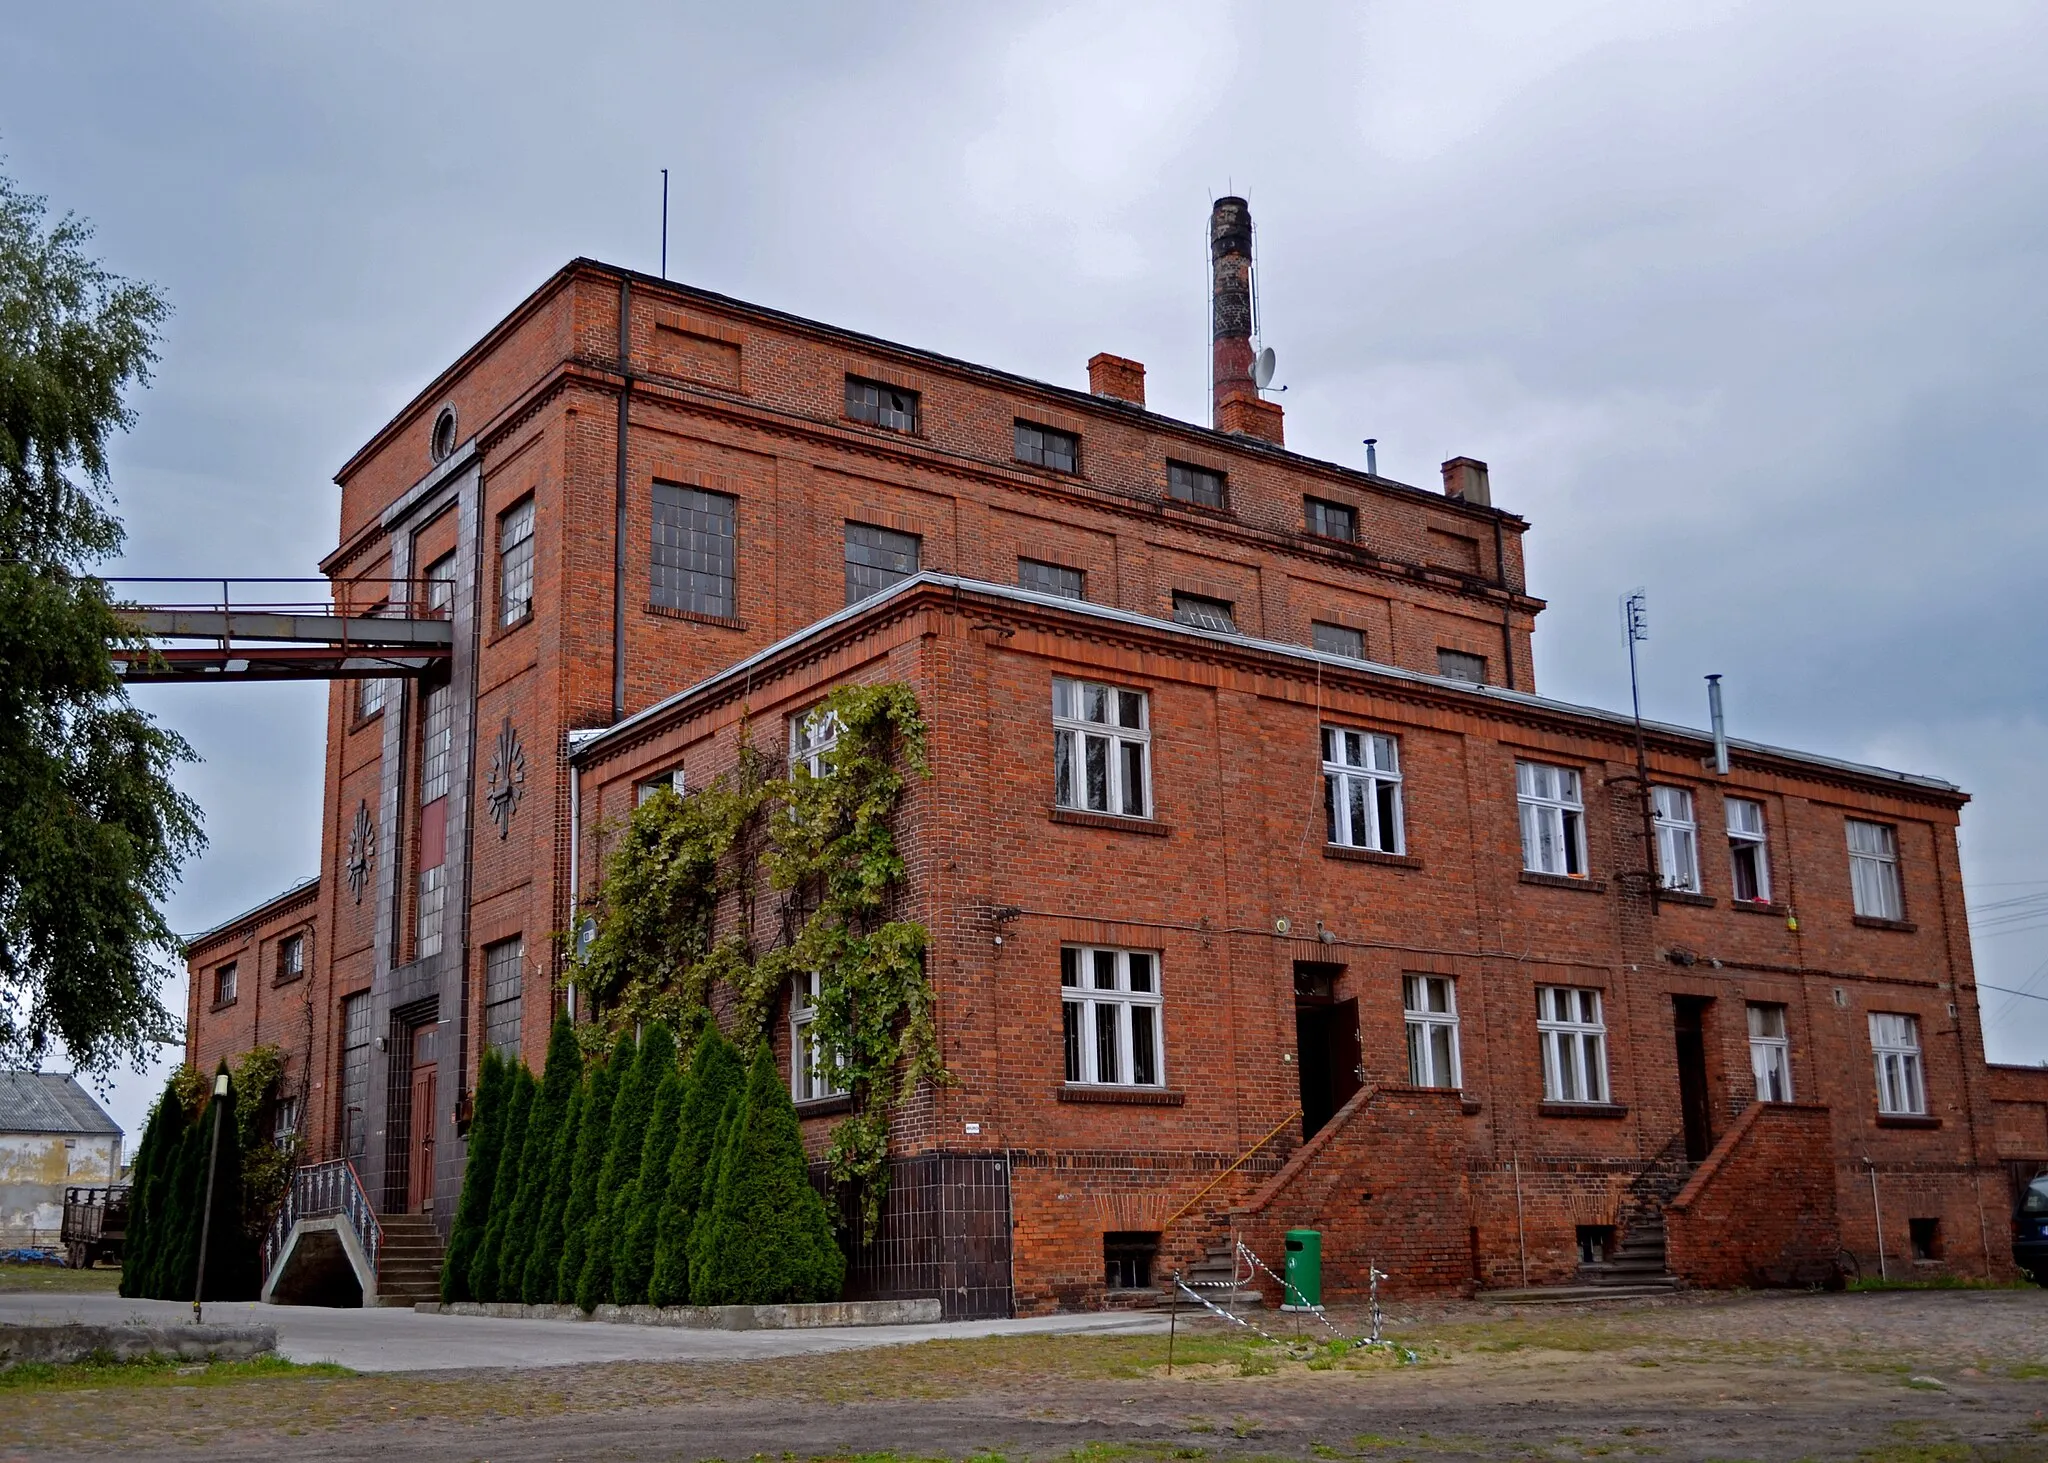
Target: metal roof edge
pixel 293 891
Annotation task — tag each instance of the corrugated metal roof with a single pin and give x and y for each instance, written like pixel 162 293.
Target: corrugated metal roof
pixel 49 1102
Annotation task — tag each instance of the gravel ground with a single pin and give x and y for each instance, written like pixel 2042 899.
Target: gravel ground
pixel 1899 1377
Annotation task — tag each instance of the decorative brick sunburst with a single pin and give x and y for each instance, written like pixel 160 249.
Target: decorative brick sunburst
pixel 362 841
pixel 508 779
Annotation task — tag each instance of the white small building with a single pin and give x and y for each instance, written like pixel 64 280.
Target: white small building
pixel 52 1135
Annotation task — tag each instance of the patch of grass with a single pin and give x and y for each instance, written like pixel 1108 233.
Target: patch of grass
pixel 103 1371
pixel 2028 1371
pixel 55 1279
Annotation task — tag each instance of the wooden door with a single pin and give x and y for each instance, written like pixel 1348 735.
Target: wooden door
pixel 420 1183
pixel 1347 1054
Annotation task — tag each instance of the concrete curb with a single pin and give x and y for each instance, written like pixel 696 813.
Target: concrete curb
pixel 62 1342
pixel 709 1318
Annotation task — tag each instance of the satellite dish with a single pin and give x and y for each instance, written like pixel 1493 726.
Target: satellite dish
pixel 1262 370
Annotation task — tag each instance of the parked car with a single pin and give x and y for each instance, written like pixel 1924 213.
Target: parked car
pixel 2030 1230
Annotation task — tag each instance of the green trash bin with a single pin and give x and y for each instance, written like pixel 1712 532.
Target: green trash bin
pixel 1304 1270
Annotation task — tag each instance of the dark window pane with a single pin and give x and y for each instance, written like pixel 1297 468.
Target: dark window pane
pixel 1107 1068
pixel 1338 640
pixel 1144 1047
pixel 1070 966
pixel 1194 484
pixel 1063 768
pixel 1049 578
pixel 881 406
pixel 1097 749
pixel 1203 613
pixel 1045 447
pixel 876 559
pixel 1461 666
pixel 1134 778
pixel 1331 520
pixel 693 550
pixel 1070 1020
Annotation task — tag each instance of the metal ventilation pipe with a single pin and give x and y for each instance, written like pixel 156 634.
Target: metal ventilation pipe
pixel 1230 304
pixel 1719 723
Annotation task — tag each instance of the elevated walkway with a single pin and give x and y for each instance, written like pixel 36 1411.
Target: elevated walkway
pixel 280 629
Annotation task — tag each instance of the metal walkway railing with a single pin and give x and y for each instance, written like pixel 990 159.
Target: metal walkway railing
pixel 282 629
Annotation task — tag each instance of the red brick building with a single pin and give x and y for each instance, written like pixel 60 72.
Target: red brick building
pixel 1264 888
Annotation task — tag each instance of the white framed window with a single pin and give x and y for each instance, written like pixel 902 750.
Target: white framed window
pixel 1678 839
pixel 1553 819
pixel 813 1074
pixel 1429 1004
pixel 812 736
pixel 1874 870
pixel 355 1071
pixel 440 586
pixel 1110 1017
pixel 1573 1036
pixel 291 957
pixel 1895 1045
pixel 1102 749
pixel 672 780
pixel 1362 790
pixel 515 564
pixel 285 1122
pixel 225 981
pixel 1749 857
pixel 437 743
pixel 370 693
pixel 1770 1053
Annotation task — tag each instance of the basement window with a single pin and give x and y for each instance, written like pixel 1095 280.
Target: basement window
pixel 1048 447
pixel 890 407
pixel 1127 1258
pixel 1596 1243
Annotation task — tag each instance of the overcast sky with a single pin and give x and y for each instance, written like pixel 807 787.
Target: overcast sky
pixel 1742 303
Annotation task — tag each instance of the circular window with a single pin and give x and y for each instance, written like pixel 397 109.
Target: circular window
pixel 443 441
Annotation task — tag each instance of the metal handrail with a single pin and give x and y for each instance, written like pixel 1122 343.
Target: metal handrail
pixel 410 598
pixel 1202 1192
pixel 316 1191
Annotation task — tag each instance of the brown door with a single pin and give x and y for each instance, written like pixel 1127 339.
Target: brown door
pixel 420 1183
pixel 1689 1020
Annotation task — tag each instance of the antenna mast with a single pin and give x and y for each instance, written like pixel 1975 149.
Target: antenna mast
pixel 664 223
pixel 1635 622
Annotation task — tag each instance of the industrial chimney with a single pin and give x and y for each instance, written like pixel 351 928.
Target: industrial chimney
pixel 1236 403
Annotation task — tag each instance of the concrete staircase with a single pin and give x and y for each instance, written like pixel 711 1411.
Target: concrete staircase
pixel 1637 1264
pixel 1211 1278
pixel 409 1263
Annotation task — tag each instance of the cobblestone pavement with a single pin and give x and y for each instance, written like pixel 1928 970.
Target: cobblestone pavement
pixel 1901 1377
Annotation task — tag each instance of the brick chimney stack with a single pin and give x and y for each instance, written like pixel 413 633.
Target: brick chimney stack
pixel 1236 403
pixel 1116 378
pixel 1465 479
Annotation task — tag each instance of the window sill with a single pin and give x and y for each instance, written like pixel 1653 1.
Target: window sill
pixel 915 434
pixel 1071 475
pixel 1470 1106
pixel 1872 922
pixel 221 1005
pixel 674 612
pixel 511 627
pixel 1907 1120
pixel 1113 821
pixel 1685 896
pixel 1759 906
pixel 1564 881
pixel 1122 1096
pixel 283 980
pixel 1203 510
pixel 1350 855
pixel 825 1107
pixel 1602 1110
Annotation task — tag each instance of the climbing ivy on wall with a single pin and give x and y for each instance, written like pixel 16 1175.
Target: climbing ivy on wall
pixel 680 912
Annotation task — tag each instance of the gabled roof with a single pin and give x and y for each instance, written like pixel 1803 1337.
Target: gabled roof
pixel 305 889
pixel 50 1102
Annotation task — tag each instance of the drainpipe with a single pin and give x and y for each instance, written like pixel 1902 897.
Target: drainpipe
pixel 1507 614
pixel 1882 1273
pixel 575 863
pixel 1521 1236
pixel 619 533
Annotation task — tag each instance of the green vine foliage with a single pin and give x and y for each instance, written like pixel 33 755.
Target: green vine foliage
pixel 677 917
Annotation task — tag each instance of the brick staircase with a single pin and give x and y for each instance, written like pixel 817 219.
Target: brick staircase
pixel 409 1264
pixel 1637 1264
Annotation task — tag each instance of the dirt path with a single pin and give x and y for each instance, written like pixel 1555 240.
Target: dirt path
pixel 1898 1378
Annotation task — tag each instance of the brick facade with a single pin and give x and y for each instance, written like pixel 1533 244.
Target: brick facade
pixel 1230 881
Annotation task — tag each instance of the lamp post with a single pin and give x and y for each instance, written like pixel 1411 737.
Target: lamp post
pixel 220 1090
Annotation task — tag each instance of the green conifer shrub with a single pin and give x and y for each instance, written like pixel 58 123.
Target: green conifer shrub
pixel 714 1182
pixel 716 1076
pixel 483 1270
pixel 544 1262
pixel 178 1251
pixel 149 1193
pixel 769 1239
pixel 472 1210
pixel 592 1137
pixel 630 1115
pixel 640 1203
pixel 536 1164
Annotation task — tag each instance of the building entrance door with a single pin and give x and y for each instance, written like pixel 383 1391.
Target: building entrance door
pixel 420 1155
pixel 1329 1051
pixel 1689 1020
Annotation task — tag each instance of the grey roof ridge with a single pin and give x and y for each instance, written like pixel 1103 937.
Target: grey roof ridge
pixel 596 738
pixel 250 912
pixel 59 1090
